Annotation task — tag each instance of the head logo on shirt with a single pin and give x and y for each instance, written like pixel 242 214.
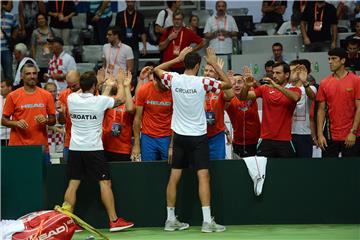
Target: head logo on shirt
pixel 33 105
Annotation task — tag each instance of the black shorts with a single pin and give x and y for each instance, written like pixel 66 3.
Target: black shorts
pixel 190 151
pixel 90 164
pixel 117 157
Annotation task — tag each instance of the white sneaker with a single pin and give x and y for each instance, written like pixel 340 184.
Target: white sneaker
pixel 172 225
pixel 212 227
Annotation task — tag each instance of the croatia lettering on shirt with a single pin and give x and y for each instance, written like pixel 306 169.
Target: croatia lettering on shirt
pixel 83 116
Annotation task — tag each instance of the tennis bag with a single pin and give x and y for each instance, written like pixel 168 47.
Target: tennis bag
pixel 49 225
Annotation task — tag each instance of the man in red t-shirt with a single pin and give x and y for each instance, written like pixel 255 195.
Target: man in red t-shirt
pixel 154 107
pixel 214 110
pixel 244 117
pixel 340 92
pixel 73 85
pixel 176 38
pixel 117 124
pixel 279 104
pixel 27 111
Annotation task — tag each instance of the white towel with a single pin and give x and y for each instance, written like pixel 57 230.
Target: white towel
pixel 18 72
pixel 257 168
pixel 9 227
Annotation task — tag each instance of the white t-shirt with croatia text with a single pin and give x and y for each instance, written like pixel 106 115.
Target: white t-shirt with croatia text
pixel 188 94
pixel 87 114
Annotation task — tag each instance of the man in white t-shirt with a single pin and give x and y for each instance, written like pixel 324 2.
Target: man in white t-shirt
pixel 220 29
pixel 86 152
pixel 60 64
pixel 190 142
pixel 301 132
pixel 161 24
pixel 117 54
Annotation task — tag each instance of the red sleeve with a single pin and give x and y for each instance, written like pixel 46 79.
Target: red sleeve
pixel 259 91
pixel 194 37
pixel 320 97
pixel 9 106
pixel 164 35
pixel 140 96
pixel 62 97
pixel 50 108
pixel 296 90
pixel 211 85
pixel 357 93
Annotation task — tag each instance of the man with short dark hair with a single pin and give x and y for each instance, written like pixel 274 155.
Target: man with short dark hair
pixel 268 68
pixel 27 111
pixel 277 49
pixel 190 145
pixel 86 152
pixel 117 54
pixel 339 98
pixel 353 57
pixel 279 103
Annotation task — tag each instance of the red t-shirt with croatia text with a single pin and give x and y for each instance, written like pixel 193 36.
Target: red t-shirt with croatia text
pixel 122 143
pixel 245 120
pixel 340 96
pixel 277 113
pixel 184 38
pixel 63 100
pixel 157 110
pixel 22 105
pixel 215 103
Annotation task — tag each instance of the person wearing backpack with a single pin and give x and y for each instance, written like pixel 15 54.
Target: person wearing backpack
pixel 165 17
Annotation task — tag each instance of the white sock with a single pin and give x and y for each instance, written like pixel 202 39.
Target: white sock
pixel 206 214
pixel 170 213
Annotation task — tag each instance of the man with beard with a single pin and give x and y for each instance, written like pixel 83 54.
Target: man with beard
pixel 27 111
pixel 279 104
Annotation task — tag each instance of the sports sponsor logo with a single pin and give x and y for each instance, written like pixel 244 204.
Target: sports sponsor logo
pixel 33 105
pixel 159 103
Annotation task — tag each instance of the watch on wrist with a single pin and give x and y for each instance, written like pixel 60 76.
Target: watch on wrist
pixel 354 131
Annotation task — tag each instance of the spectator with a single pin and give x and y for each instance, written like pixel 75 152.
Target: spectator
pixel 301 132
pixel 220 29
pixel 279 104
pixel 86 155
pixel 131 23
pixel 40 49
pixel 245 120
pixel 339 96
pixel 27 111
pixel 176 38
pixel 273 12
pixel 154 107
pixel 214 111
pixel 73 85
pixel 99 17
pixel 60 64
pixel 20 54
pixel 28 12
pixel 8 23
pixel 269 68
pixel 61 13
pixel 345 9
pixel 319 26
pixel 117 124
pixel 291 27
pixel 117 54
pixel 194 25
pixel 277 49
pixel 6 88
pixel 162 24
pixel 356 35
pixel 189 126
pixel 353 57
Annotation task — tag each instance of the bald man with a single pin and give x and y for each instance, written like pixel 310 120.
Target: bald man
pixel 73 85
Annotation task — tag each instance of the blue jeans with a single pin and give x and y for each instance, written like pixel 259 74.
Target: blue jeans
pixel 154 148
pixel 6 64
pixel 217 146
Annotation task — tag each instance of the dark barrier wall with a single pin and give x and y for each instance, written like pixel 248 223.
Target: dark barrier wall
pixel 295 191
pixel 22 181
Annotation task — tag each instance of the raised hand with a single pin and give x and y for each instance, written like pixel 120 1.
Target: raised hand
pixel 184 52
pixel 221 62
pixel 127 80
pixel 121 76
pixel 302 74
pixel 247 71
pixel 100 76
pixel 210 56
pixel 145 72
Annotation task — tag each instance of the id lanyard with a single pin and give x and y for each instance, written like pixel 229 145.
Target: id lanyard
pixel 302 5
pixel 62 6
pixel 315 14
pixel 217 23
pixel 134 20
pixel 181 37
pixel 117 54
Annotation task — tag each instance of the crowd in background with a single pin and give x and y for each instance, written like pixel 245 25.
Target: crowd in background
pixel 297 113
